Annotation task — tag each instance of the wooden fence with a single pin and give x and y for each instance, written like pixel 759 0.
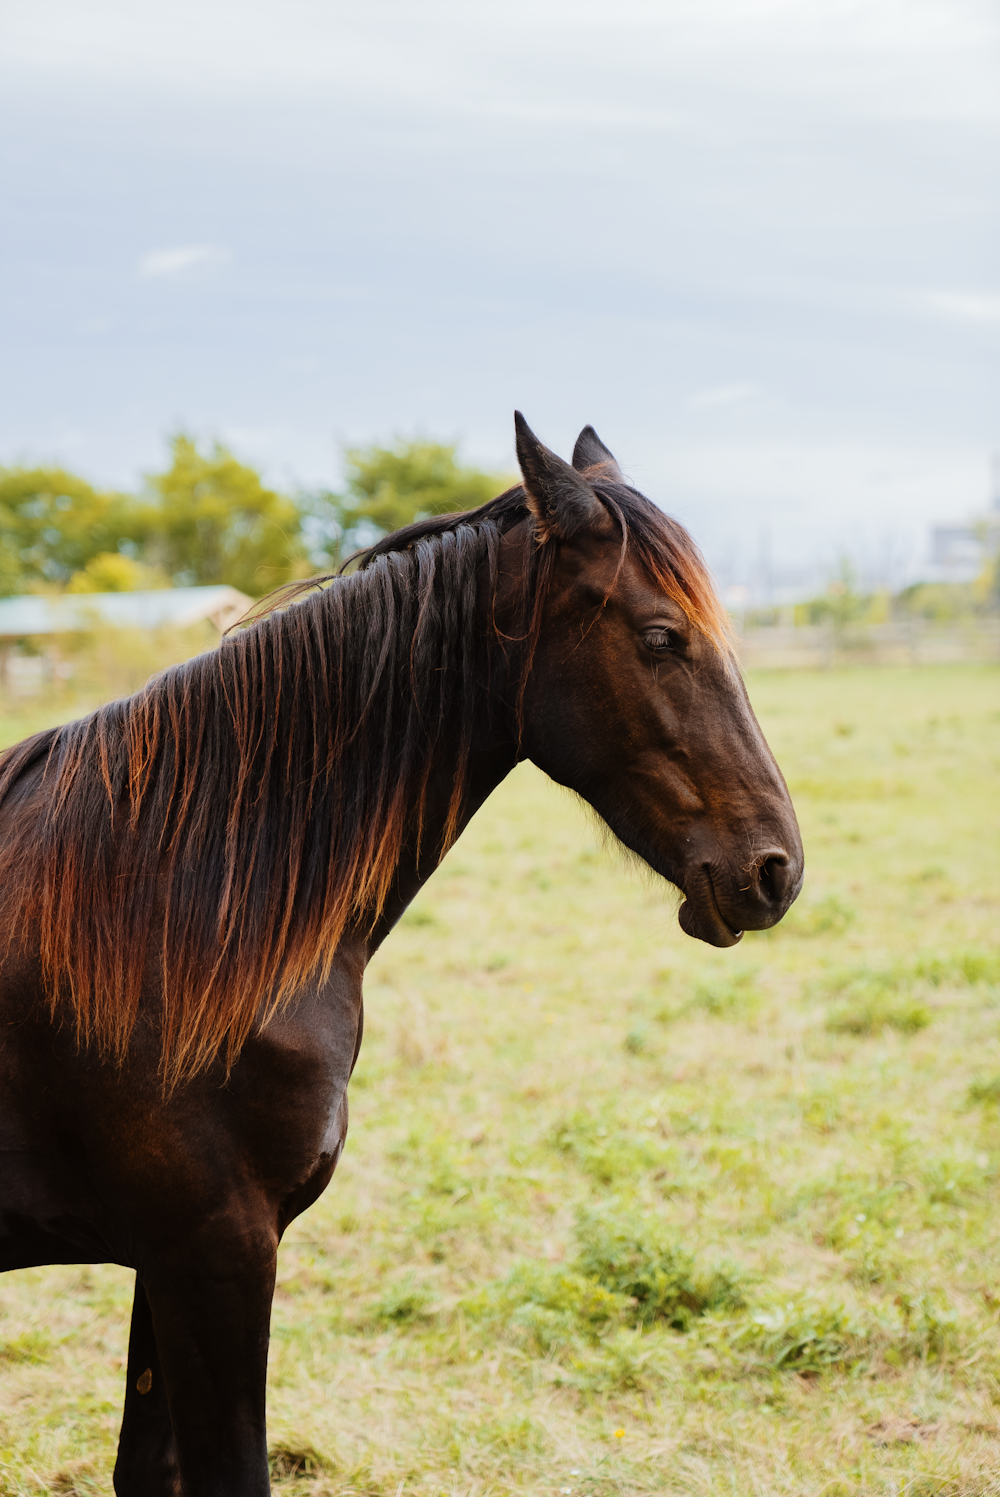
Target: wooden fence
pixel 813 646
pixel 912 642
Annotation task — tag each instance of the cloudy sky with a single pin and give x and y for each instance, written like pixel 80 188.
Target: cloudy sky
pixel 755 242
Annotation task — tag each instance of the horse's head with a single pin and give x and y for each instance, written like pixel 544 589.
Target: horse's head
pixel 634 699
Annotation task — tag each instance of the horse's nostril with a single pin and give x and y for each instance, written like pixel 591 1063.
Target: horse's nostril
pixel 773 876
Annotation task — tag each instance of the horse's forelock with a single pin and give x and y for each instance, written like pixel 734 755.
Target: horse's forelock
pixel 672 561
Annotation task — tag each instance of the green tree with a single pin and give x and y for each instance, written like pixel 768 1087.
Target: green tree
pixel 114 572
pixel 389 487
pixel 53 523
pixel 211 519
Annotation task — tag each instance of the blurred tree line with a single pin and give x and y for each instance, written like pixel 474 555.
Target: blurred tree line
pixel 845 603
pixel 209 518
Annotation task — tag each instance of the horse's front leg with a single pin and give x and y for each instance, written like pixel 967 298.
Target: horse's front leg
pixel 147 1464
pixel 211 1319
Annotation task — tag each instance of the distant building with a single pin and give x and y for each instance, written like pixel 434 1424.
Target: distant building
pixel 960 552
pixel 957 552
pixel 75 613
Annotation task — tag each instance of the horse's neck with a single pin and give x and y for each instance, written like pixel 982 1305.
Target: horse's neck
pixel 491 762
pixel 494 750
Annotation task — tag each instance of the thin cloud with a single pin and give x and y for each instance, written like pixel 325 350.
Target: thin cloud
pixel 722 395
pixel 171 262
pixel 965 306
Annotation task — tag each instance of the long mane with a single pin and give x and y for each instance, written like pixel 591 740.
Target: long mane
pixel 253 804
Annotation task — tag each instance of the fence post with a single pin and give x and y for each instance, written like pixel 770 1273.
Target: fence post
pixel 829 645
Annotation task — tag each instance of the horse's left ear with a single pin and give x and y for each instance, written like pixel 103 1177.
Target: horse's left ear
pixel 590 452
pixel 562 502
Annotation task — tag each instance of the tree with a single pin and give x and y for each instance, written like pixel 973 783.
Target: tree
pixel 53 523
pixel 211 519
pixel 114 572
pixel 388 487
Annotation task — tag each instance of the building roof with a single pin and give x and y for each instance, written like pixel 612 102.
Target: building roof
pixel 74 613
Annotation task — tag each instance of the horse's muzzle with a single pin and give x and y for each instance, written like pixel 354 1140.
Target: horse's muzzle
pixel 700 916
pixel 719 906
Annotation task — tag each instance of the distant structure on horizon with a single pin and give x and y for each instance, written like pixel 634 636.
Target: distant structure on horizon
pixel 43 619
pixel 71 613
pixel 959 552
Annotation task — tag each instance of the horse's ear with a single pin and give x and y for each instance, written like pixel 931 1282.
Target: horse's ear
pixel 590 452
pixel 561 501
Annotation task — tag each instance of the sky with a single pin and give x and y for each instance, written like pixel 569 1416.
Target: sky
pixel 755 242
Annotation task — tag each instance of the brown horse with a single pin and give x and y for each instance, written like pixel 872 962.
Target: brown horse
pixel 193 880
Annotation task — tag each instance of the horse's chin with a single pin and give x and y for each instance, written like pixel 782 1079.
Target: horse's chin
pixel 700 916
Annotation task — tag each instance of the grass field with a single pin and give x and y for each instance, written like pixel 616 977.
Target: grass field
pixel 620 1213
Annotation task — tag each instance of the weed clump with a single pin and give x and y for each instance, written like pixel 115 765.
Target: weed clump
pixel 402 1304
pixel 829 915
pixel 871 1001
pixel 808 1335
pixel 985 1089
pixel 726 998
pixel 884 998
pixel 548 1307
pixel 605 1150
pixel 629 1257
pixel 733 996
pixel 635 1041
pixel 873 1012
pixel 950 1180
pixel 960 968
pixel 803 1336
pixel 32 1346
pixel 291 1461
pixel 626 1275
pixel 627 1360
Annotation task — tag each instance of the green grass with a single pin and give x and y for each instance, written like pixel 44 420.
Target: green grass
pixel 620 1213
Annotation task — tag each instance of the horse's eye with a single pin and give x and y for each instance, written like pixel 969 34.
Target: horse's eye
pixel 660 641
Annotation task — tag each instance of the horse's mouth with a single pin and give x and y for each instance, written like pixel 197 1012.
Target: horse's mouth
pixel 700 916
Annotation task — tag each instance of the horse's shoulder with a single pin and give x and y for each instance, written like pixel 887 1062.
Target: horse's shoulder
pixel 317 1032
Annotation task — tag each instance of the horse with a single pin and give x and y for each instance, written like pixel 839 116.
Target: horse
pixel 193 879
